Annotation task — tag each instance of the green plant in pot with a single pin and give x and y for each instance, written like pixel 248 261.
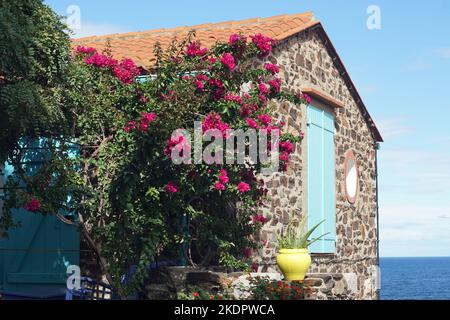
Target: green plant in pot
pixel 293 257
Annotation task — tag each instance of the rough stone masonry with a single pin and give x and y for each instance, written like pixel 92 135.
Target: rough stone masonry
pixel 306 62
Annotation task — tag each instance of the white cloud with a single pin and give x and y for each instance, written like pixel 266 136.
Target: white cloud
pixel 415 202
pixel 414 230
pixel 419 174
pixel 97 29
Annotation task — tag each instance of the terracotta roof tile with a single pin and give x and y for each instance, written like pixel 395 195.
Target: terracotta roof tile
pixel 139 45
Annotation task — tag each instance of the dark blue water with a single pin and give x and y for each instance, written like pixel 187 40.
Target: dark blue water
pixel 415 278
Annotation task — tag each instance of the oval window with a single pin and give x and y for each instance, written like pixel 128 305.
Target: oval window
pixel 351 177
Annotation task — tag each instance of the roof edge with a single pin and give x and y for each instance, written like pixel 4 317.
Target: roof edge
pixel 339 64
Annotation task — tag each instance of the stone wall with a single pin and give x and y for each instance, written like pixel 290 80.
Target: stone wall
pixel 305 62
pixel 172 282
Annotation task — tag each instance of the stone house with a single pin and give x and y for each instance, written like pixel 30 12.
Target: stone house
pixel 333 174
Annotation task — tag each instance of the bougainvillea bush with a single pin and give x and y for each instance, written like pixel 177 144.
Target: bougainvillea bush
pixel 134 204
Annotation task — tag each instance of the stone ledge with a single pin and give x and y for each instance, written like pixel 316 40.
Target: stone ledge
pixel 185 279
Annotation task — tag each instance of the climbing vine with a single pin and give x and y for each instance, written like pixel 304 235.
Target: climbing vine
pixel 133 203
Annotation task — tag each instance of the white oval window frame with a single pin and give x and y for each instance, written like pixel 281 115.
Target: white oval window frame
pixel 353 174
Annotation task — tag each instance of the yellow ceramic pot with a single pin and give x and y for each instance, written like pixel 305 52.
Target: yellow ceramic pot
pixel 294 263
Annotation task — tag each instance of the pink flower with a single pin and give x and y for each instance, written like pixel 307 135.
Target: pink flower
pixel 287 146
pixel 220 186
pixel 126 71
pixel 236 39
pixel 275 85
pixel 248 252
pixel 302 135
pixel 171 188
pixel 87 50
pixel 247 110
pixel 200 85
pixel 243 187
pixel 179 143
pixel 213 121
pixel 211 60
pixel 265 119
pixel 33 205
pixel 263 88
pixel 271 68
pixel 194 49
pixel 307 98
pixel 284 156
pixel 101 61
pixel 223 177
pixel 252 123
pixel 131 125
pixel 217 88
pixel 260 218
pixel 228 61
pixel 272 128
pixel 146 119
pixel 233 98
pixel 263 43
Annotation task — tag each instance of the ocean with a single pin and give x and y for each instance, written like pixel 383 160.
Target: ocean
pixel 415 278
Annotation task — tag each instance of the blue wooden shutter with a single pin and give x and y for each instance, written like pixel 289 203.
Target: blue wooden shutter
pixel 321 179
pixel 36 255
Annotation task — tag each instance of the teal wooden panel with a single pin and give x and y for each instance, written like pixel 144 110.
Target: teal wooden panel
pixel 321 178
pixel 37 254
pixel 329 185
pixel 315 194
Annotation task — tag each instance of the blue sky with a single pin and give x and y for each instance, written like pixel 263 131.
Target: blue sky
pixel 402 72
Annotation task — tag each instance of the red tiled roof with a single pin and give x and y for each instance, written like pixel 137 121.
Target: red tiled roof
pixel 140 45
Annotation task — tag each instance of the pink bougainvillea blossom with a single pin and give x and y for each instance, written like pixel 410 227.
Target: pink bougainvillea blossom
pixel 248 109
pixel 275 85
pixel 284 156
pixel 194 49
pixel 130 126
pixel 126 71
pixel 213 121
pixel 171 187
pixel 101 61
pixel 177 143
pixel 223 177
pixel 252 123
pixel 287 146
pixel 263 43
pixel 306 97
pixel 259 219
pixel 220 186
pixel 33 205
pixel 233 98
pixel 228 61
pixel 265 119
pixel 272 68
pixel 243 187
pixel 237 39
pixel 86 50
pixel 263 88
pixel 217 88
pixel 146 119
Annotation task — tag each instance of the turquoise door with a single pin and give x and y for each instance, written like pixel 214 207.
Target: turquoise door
pixel 35 257
pixel 321 179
